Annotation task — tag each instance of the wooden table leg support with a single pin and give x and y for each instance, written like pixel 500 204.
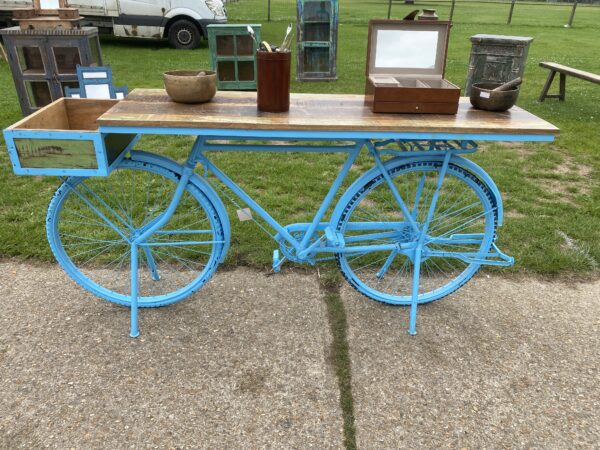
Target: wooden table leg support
pixel 563 84
pixel 547 85
pixel 562 87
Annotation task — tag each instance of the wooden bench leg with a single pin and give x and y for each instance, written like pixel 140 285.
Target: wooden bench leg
pixel 546 87
pixel 563 84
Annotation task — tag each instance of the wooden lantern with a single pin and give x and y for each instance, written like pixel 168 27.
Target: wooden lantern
pixel 47 14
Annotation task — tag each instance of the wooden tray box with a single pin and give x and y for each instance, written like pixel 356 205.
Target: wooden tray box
pixel 23 13
pixel 406 61
pixel 62 139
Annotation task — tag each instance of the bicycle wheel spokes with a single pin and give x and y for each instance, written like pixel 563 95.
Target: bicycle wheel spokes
pixel 92 223
pixel 462 223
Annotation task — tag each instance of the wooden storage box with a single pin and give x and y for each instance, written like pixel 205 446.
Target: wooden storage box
pixel 68 13
pixel 23 13
pixel 62 139
pixel 406 61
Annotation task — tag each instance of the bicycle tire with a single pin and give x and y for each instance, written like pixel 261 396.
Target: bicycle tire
pixel 439 276
pixel 181 269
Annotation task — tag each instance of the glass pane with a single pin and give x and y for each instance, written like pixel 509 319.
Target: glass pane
pixel 317 11
pixel 49 4
pixel 316 59
pixel 226 70
pixel 66 59
pixel 97 91
pixel 412 49
pixel 30 60
pixel 246 70
pixel 56 153
pixel 316 32
pixel 38 93
pixel 224 45
pixel 95 49
pixel 68 84
pixel 244 45
pixel 89 75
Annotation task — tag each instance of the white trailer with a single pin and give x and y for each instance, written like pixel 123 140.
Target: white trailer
pixel 182 22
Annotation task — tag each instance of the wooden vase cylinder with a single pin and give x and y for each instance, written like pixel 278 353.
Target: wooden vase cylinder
pixel 273 81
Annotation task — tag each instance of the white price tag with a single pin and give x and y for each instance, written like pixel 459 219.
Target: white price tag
pixel 484 94
pixel 244 214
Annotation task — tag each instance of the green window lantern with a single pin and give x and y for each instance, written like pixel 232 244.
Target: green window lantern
pixel 233 55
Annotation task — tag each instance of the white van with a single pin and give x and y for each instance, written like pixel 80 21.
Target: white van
pixel 182 22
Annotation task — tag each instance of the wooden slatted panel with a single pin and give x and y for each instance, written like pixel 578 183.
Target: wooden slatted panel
pixel 51 117
pixel 67 114
pixel 312 112
pixel 572 72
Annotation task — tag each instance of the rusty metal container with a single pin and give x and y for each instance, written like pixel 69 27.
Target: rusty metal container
pixel 496 59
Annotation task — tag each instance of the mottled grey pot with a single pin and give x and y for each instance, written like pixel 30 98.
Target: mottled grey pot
pixel 482 97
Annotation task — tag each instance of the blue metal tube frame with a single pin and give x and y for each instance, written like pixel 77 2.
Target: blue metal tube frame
pixel 411 221
pixel 412 324
pixel 300 247
pixel 241 134
pixel 308 246
pixel 134 328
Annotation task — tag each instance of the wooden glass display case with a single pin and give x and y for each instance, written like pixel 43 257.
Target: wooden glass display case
pixel 44 61
pixel 317 39
pixel 406 60
pixel 233 55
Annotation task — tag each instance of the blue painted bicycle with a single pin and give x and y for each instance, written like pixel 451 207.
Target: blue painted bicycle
pixel 426 208
pixel 412 229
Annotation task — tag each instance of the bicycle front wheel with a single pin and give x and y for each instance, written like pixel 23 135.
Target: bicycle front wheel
pixel 91 222
pixel 464 222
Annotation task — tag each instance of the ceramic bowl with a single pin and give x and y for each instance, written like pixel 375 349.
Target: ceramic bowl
pixel 482 97
pixel 189 86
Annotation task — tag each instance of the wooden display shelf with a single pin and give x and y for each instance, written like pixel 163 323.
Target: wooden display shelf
pixel 152 108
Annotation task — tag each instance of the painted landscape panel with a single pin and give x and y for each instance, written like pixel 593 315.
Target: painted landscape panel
pixel 56 153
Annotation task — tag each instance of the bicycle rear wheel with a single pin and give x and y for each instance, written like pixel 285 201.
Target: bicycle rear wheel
pixel 91 221
pixel 464 221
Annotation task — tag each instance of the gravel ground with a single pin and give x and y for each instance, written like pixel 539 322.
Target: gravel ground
pixel 500 364
pixel 244 364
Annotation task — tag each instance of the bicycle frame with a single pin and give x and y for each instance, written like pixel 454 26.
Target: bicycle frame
pixel 310 243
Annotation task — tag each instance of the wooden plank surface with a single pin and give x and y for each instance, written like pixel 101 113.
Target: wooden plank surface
pixel 312 112
pixel 68 114
pixel 588 76
pixel 50 117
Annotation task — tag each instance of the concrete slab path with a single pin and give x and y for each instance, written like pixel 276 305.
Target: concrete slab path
pixel 243 364
pixel 500 364
pixel 503 363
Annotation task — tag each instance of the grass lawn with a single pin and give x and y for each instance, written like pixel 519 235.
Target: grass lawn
pixel 551 191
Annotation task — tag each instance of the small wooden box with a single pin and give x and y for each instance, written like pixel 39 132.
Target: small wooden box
pixel 406 61
pixel 23 13
pixel 68 13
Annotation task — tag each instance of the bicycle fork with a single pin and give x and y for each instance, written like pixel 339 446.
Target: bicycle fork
pixel 421 232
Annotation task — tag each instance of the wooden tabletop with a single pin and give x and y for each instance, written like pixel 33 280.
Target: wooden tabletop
pixel 312 112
